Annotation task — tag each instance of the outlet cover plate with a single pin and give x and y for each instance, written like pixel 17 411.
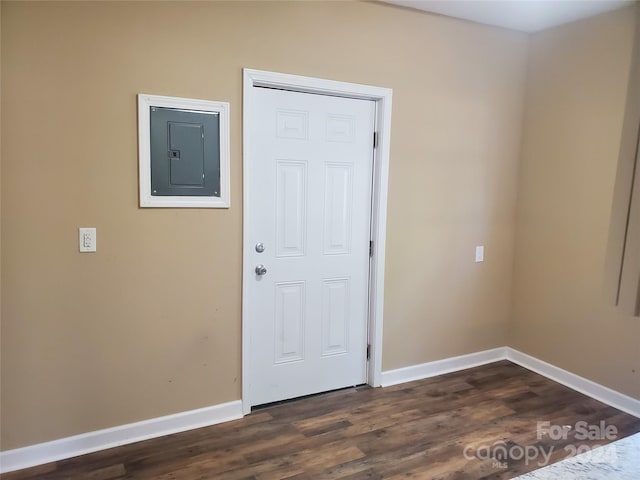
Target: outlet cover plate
pixel 87 239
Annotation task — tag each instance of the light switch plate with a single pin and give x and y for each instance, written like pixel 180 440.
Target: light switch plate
pixel 480 253
pixel 87 239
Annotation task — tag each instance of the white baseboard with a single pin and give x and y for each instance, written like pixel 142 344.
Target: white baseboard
pixel 580 384
pixel 42 453
pixel 68 447
pixel 440 367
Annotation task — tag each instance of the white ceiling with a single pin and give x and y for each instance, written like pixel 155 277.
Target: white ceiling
pixel 524 15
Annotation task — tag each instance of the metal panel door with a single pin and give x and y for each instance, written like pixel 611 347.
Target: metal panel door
pixel 310 176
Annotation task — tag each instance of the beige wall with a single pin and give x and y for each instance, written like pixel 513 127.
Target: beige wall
pixel 150 324
pixel 575 104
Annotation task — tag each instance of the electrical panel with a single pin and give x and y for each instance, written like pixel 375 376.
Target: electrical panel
pixel 185 152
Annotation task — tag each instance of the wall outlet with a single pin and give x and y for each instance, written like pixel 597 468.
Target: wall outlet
pixel 480 253
pixel 87 239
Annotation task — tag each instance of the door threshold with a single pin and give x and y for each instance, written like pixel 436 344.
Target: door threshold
pixel 264 406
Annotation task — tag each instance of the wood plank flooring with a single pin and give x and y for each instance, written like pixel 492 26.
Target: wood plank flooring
pixel 418 430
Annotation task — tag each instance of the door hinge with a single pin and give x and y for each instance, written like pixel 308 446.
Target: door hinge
pixel 375 139
pixel 370 248
pixel 368 351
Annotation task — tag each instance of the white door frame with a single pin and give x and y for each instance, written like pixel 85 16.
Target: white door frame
pixel 382 97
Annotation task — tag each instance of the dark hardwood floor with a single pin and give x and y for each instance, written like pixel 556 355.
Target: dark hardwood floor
pixel 428 429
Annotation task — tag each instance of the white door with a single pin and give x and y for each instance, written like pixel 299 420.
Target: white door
pixel 309 176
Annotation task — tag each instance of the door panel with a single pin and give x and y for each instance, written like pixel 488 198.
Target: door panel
pixel 338 207
pixel 309 174
pixel 289 322
pixel 291 208
pixel 335 316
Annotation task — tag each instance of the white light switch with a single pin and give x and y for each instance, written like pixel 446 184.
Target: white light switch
pixel 480 253
pixel 87 239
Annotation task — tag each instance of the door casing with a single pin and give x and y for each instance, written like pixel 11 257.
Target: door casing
pixel 383 98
